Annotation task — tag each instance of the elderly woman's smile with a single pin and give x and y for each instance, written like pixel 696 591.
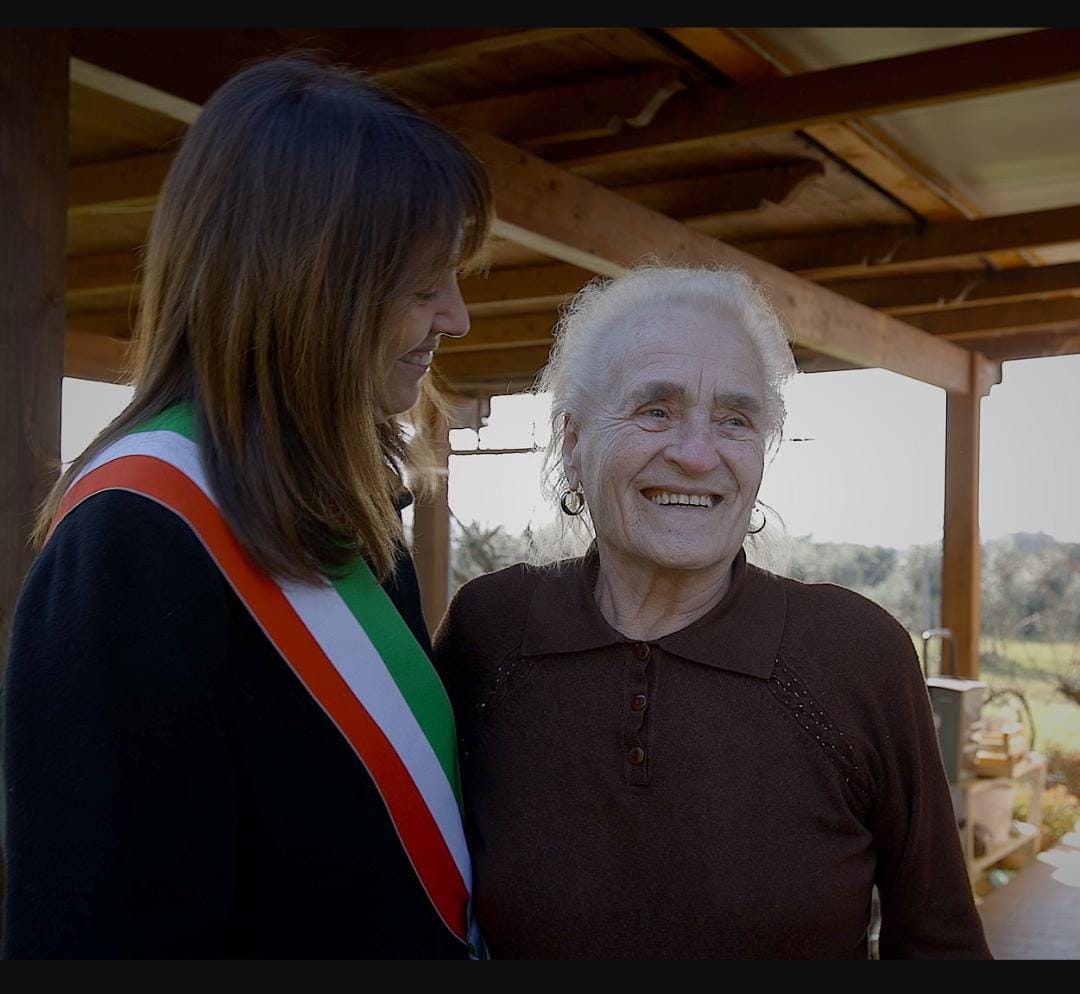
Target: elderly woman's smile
pixel 669 498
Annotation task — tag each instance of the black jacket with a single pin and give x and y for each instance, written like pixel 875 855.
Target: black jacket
pixel 172 788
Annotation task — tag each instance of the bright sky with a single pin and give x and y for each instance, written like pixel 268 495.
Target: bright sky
pixel 862 460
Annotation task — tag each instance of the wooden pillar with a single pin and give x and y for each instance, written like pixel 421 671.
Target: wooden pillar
pixel 431 530
pixel 33 205
pixel 961 569
pixel 33 209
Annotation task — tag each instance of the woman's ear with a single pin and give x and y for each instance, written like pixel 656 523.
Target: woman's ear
pixel 570 457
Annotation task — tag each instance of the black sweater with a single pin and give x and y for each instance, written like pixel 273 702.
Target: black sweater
pixel 172 788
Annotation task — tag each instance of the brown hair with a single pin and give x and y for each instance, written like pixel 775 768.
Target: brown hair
pixel 304 208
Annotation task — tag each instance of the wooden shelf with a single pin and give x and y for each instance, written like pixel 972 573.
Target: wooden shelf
pixel 1027 832
pixel 1031 768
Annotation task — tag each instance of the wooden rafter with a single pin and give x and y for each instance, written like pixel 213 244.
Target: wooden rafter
pixel 999 320
pixel 95 357
pixel 568 112
pixel 866 89
pixel 697 197
pixel 109 271
pixel 160 58
pixel 522 289
pixel 921 291
pixel 510 332
pixel 503 365
pixel 103 187
pixel 116 324
pixel 862 249
pixel 1027 344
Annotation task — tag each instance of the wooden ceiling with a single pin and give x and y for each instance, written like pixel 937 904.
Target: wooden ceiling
pixel 606 145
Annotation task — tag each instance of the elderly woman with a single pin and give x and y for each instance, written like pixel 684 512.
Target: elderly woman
pixel 668 752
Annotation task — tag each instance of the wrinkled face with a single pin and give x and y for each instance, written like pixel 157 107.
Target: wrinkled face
pixel 671 453
pixel 438 310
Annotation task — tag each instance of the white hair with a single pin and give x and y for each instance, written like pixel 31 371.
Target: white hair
pixel 574 371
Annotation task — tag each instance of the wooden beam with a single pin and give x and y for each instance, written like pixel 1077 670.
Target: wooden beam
pixel 108 323
pixel 132 91
pixel 431 530
pixel 427 48
pixel 90 356
pixel 568 112
pixel 173 82
pixel 512 331
pixel 960 571
pixel 809 361
pixel 33 201
pixel 492 366
pixel 105 187
pixel 1027 345
pixel 522 289
pixel 843 93
pixel 999 320
pixel 903 294
pixel 579 222
pixel 860 250
pixel 745 56
pixel 112 272
pixel 699 197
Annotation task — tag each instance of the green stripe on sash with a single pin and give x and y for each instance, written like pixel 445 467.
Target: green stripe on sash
pixel 179 418
pixel 406 661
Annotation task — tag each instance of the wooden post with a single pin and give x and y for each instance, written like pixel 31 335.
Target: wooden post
pixel 33 204
pixel 431 530
pixel 961 569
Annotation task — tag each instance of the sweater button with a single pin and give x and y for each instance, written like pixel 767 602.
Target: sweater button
pixel 637 702
pixel 641 650
pixel 636 755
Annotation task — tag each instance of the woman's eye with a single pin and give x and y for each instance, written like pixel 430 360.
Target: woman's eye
pixel 426 296
pixel 656 412
pixel 736 421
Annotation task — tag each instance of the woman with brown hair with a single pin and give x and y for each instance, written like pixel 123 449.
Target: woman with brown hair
pixel 224 735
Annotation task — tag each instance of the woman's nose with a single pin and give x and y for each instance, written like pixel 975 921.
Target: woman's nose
pixel 452 318
pixel 694 449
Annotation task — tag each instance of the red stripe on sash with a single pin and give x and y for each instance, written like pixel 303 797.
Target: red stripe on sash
pixel 415 825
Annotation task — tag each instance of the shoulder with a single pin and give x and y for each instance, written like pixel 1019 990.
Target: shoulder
pixel 118 525
pixel 510 582
pixel 120 556
pixel 492 610
pixel 844 631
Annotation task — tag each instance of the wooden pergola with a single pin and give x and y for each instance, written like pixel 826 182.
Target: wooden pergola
pixel 604 145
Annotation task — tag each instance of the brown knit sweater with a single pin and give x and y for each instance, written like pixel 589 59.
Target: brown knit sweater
pixel 731 790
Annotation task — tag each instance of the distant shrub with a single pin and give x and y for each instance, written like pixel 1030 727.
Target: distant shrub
pixel 1063 767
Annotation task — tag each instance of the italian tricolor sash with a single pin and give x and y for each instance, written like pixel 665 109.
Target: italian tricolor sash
pixel 347 644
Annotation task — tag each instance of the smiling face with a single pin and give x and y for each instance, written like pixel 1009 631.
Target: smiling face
pixel 671 453
pixel 426 317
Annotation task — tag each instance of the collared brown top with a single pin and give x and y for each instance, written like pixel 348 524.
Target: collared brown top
pixel 731 790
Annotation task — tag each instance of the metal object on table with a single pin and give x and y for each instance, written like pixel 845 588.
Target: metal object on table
pixel 946 636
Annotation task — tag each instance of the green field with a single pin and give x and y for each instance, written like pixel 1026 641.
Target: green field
pixel 1032 668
